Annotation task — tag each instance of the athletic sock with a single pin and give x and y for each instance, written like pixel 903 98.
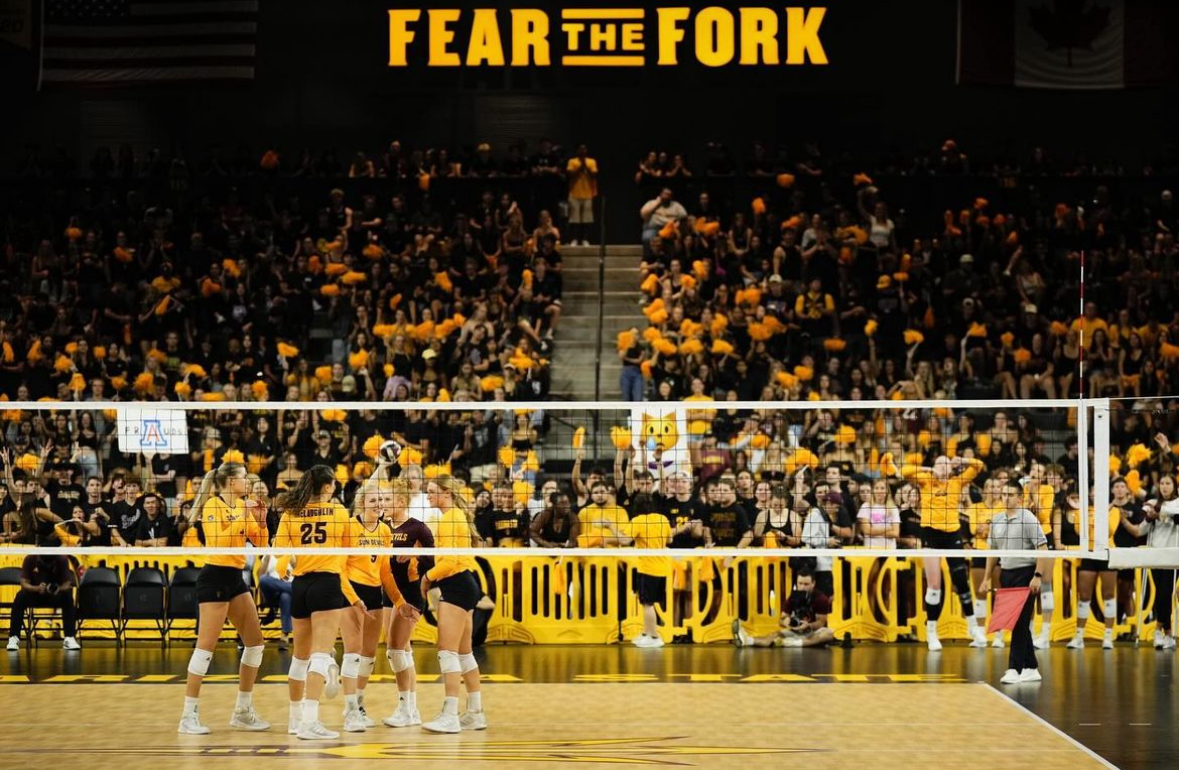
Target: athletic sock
pixel 296 711
pixel 475 701
pixel 351 702
pixel 450 705
pixel 310 712
pixel 411 700
pixel 244 699
pixel 190 705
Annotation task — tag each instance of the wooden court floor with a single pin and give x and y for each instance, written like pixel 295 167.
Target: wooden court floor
pixel 708 725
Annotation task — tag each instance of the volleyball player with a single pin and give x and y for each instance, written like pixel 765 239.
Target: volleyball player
pixel 370 530
pixel 941 492
pixel 222 518
pixel 455 578
pixel 400 619
pixel 320 593
pixel 1067 529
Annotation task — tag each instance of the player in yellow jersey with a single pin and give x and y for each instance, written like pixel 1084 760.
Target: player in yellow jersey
pixel 320 593
pixel 1066 527
pixel 454 576
pixel 651 529
pixel 941 497
pixel 223 519
pixel 979 516
pixel 370 530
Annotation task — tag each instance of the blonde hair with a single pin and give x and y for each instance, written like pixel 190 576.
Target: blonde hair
pixel 215 480
pixel 457 491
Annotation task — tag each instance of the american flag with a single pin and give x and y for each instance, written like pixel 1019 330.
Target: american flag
pixel 124 42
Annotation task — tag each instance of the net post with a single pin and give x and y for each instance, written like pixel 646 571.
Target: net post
pixel 1083 471
pixel 1101 472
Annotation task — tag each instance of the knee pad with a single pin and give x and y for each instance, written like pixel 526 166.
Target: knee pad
pixel 980 607
pixel 198 664
pixel 448 662
pixel 1109 608
pixel 467 662
pixel 400 660
pixel 367 665
pixel 1047 600
pixel 933 596
pixel 1082 610
pixel 298 672
pixel 320 663
pixel 350 668
pixel 252 656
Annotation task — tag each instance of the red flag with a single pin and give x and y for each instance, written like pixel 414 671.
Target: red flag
pixel 1007 607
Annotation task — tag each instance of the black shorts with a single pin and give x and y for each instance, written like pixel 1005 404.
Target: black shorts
pixel 1094 565
pixel 412 595
pixel 316 592
pixel 370 595
pixel 651 589
pixel 937 539
pixel 461 590
pixel 219 584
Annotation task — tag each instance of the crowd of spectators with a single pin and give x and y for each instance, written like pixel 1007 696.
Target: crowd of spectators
pixel 817 286
pixel 153 280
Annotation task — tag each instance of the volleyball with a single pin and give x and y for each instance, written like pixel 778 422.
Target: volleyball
pixel 389 451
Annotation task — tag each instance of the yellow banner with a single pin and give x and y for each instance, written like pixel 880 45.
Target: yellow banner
pixel 606 37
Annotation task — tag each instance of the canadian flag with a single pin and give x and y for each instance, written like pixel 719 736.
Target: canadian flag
pixel 1072 44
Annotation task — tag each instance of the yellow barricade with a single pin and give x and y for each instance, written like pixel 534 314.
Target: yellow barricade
pixel 592 600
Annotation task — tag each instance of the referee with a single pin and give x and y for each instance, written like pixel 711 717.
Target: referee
pixel 1018 529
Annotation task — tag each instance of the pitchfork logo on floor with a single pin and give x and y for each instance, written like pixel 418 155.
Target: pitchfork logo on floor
pixel 617 751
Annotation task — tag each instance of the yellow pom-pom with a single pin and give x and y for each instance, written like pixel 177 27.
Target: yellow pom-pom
pixel 692 347
pixel 144 383
pixel 506 456
pixel 491 382
pixel 118 382
pixel 785 180
pixel 1057 329
pixel 436 470
pixel 650 284
pixel 1134 482
pixel 579 438
pixel 620 437
pixel 913 337
pixel 260 390
pixel 1022 356
pixel 1007 338
pixel 443 396
pixel 329 290
pixel 353 277
pixel 845 435
pixel 1137 455
pixel 861 179
pixel 977 330
pixel 218 396
pixel 1115 465
pixel 77 382
pixel 287 351
pixel 334 415
pixel 372 445
pixel 834 345
pixel 870 328
pixel 63 364
pixel 358 360
pixel 721 348
pixel 233 456
pixel 665 347
pixel 759 332
pixel 786 379
pixel 157 355
pixel 373 251
pixel 627 340
pixel 804 373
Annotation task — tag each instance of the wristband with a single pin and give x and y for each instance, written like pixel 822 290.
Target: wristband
pixel 1039 575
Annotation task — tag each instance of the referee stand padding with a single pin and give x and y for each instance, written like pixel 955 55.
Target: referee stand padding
pixel 590 600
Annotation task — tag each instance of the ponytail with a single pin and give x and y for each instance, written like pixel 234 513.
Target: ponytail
pixel 459 498
pixel 308 486
pixel 212 482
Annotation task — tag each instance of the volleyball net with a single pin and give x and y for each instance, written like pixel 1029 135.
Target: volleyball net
pixel 562 508
pixel 878 475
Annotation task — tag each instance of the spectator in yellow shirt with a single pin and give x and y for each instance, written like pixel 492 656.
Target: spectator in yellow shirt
pixel 650 529
pixel 582 173
pixel 602 524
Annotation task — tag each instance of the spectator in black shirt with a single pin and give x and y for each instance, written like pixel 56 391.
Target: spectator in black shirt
pixel 45 581
pixel 506 525
pixel 727 524
pixel 556 526
pixel 125 513
pixel 98 518
pixel 154 529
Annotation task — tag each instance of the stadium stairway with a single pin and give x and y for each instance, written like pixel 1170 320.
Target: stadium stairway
pixel 576 339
